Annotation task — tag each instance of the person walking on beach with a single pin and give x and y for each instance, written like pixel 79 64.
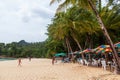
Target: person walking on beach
pixel 19 62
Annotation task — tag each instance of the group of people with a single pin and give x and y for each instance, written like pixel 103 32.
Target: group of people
pixel 20 61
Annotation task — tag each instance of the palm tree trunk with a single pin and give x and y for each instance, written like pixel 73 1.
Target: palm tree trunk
pixel 77 43
pixel 70 47
pixel 86 42
pixel 115 55
pixel 80 49
pixel 67 45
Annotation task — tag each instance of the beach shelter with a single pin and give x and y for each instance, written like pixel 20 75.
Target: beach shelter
pixel 101 48
pixel 87 50
pixel 85 53
pixel 60 54
pixel 76 52
pixel 117 44
pixel 104 50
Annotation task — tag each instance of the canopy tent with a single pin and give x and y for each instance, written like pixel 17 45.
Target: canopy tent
pixel 60 54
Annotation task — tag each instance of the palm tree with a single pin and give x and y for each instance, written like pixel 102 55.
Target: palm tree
pixel 111 19
pixel 90 4
pixel 72 24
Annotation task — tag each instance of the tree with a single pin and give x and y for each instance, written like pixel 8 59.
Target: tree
pixel 90 4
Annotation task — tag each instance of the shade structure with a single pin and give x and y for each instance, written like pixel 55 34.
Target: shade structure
pixel 76 52
pixel 117 44
pixel 60 54
pixel 104 46
pixel 102 49
pixel 87 50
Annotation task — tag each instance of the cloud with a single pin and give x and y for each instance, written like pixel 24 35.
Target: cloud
pixel 42 12
pixel 25 19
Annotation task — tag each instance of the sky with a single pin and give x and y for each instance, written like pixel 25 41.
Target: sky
pixel 25 20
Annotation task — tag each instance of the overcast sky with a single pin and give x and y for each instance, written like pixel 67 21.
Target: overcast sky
pixel 25 20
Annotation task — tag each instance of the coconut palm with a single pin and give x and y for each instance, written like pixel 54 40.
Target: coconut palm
pixel 72 24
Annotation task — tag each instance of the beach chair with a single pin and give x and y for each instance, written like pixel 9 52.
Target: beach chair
pixel 78 60
pixel 66 60
pixel 104 65
pixel 86 62
pixel 81 61
pixel 94 62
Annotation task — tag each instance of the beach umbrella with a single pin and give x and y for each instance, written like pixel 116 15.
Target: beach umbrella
pixel 60 54
pixel 117 44
pixel 80 52
pixel 104 46
pixel 104 50
pixel 76 52
pixel 101 47
pixel 99 50
pixel 87 50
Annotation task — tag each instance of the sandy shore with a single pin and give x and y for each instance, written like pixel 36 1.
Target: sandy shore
pixel 42 69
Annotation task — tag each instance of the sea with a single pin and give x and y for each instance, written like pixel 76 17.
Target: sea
pixel 6 59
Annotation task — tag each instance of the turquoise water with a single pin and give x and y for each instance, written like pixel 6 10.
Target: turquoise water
pixel 6 59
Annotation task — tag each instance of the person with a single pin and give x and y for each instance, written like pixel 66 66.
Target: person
pixel 30 58
pixel 19 62
pixel 63 59
pixel 53 60
pixel 103 62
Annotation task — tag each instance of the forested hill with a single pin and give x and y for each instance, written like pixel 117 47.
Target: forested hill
pixel 23 49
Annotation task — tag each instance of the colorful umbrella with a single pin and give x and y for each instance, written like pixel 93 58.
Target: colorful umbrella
pixel 87 51
pixel 104 50
pixel 117 44
pixel 104 46
pixel 101 49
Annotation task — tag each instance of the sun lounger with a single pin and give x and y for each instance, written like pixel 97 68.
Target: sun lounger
pixel 86 62
pixel 94 62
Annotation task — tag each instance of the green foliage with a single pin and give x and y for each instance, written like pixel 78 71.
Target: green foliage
pixel 24 49
pixel 79 25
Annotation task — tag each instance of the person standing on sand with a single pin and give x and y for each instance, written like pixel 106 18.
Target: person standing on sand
pixel 19 62
pixel 53 59
pixel 30 58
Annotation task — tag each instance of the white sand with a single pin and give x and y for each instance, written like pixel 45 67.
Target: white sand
pixel 42 69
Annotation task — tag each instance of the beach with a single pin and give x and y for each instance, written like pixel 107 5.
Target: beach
pixel 42 69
